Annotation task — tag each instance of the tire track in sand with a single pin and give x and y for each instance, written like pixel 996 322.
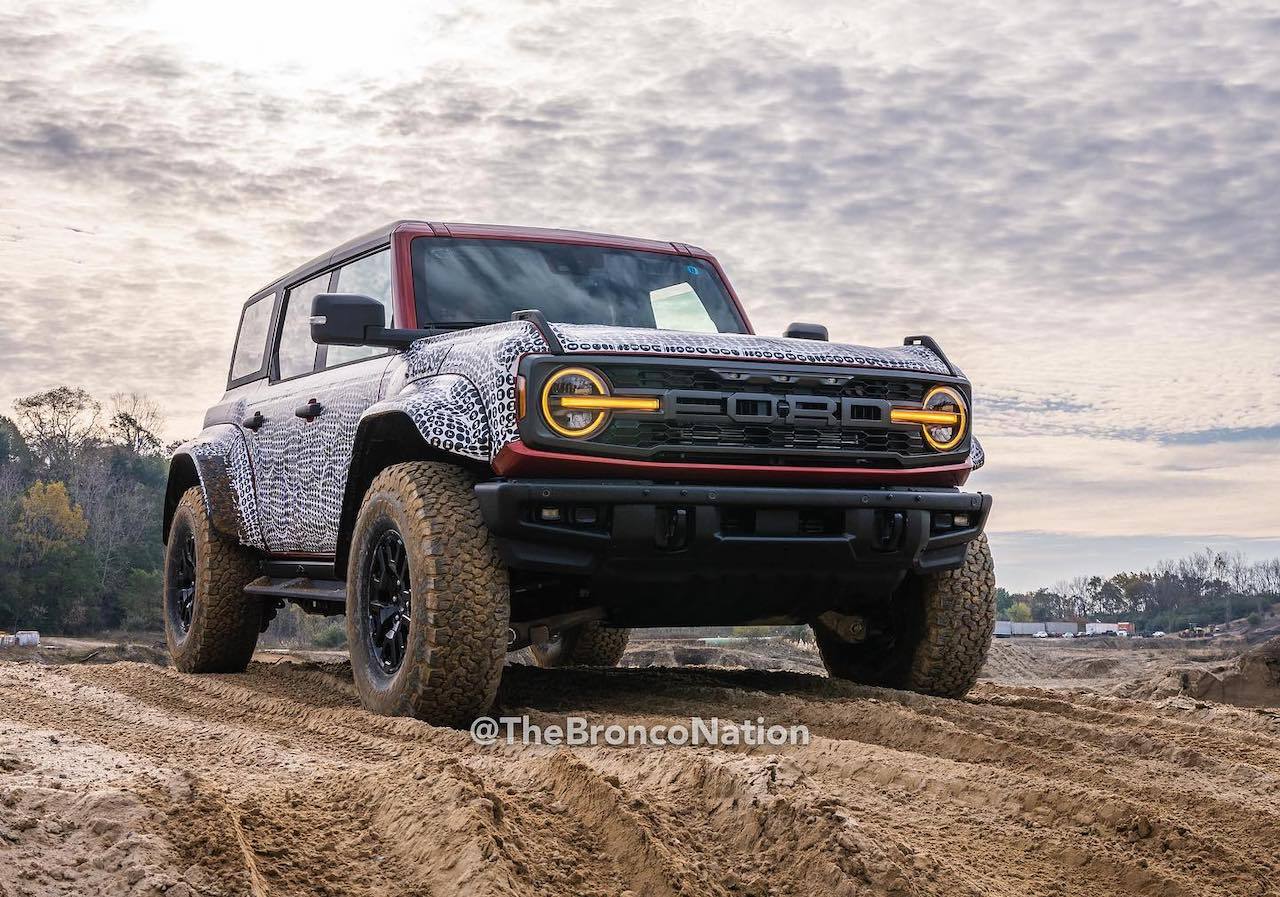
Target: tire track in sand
pixel 276 782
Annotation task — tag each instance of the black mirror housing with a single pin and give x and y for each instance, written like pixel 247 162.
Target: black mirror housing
pixel 343 319
pixel 348 319
pixel 800 330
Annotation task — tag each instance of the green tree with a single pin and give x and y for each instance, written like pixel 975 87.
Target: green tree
pixel 1004 600
pixel 1020 612
pixel 13 448
pixel 140 600
pixel 45 575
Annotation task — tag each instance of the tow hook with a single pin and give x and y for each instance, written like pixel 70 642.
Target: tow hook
pixel 890 527
pixel 673 528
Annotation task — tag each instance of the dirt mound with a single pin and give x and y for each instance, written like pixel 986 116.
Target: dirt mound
pixel 1088 668
pixel 133 778
pixel 1022 661
pixel 70 651
pixel 1251 680
pixel 1009 661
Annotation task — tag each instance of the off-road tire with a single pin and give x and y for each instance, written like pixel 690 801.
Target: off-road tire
pixel 585 645
pixel 225 621
pixel 934 640
pixel 460 603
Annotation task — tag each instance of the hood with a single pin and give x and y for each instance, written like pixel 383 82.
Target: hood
pixel 587 338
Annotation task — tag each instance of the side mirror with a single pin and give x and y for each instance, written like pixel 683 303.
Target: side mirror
pixel 347 319
pixel 798 330
pixel 342 319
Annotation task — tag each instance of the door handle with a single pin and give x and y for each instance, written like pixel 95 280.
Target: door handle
pixel 254 422
pixel 309 411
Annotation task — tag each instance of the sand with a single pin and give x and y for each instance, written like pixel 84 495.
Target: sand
pixel 131 778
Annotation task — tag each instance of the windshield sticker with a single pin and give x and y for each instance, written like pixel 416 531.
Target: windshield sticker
pixel 678 307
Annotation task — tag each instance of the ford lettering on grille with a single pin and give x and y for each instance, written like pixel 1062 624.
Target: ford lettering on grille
pixel 762 408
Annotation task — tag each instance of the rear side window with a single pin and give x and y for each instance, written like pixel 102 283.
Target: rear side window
pixel 251 340
pixel 368 276
pixel 297 353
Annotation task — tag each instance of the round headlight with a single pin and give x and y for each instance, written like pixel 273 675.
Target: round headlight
pixel 573 422
pixel 948 401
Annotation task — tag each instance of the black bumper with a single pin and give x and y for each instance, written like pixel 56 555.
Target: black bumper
pixel 631 532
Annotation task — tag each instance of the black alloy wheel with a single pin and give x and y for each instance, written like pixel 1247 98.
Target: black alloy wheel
pixel 182 582
pixel 390 595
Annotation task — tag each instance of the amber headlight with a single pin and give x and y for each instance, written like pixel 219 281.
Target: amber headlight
pixel 941 417
pixel 576 402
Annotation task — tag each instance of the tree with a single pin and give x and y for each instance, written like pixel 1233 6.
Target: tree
pixel 119 494
pixel 47 522
pixel 140 602
pixel 1003 602
pixel 13 448
pixel 58 425
pixel 45 580
pixel 1020 612
pixel 1047 604
pixel 135 421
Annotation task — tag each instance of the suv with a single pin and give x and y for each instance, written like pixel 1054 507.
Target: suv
pixel 475 439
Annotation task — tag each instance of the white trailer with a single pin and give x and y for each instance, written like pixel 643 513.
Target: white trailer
pixel 1059 628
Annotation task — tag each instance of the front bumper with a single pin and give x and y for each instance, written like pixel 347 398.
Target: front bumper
pixel 645 532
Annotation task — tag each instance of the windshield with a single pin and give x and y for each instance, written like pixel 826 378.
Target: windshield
pixel 463 282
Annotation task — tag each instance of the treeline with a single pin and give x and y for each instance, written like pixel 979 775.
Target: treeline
pixel 82 485
pixel 81 488
pixel 1205 587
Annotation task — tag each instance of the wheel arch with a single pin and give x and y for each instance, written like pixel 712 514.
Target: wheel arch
pixel 218 462
pixel 388 435
pixel 183 475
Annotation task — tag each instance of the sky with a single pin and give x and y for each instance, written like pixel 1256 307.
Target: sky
pixel 1079 201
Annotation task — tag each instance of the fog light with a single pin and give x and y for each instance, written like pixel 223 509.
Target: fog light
pixel 942 521
pixel 962 519
pixel 549 515
pixel 584 515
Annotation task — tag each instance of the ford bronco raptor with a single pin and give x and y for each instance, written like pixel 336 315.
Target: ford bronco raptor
pixel 475 439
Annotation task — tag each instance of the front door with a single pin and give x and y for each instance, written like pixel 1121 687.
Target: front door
pixel 310 411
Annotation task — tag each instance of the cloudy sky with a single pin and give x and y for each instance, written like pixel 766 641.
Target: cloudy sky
pixel 1081 201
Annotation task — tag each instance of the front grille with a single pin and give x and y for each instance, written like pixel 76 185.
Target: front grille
pixel 663 377
pixel 777 437
pixel 752 413
pixel 705 425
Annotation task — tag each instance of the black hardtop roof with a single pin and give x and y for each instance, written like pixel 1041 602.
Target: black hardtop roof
pixel 381 236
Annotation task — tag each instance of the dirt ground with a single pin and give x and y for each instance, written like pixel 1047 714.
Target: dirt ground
pixel 1057 776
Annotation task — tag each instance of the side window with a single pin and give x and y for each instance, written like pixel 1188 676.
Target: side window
pixel 251 340
pixel 297 353
pixel 368 276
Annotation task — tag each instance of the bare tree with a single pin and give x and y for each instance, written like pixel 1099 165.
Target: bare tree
pixel 58 425
pixel 12 484
pixel 136 422
pixel 119 511
pixel 1267 576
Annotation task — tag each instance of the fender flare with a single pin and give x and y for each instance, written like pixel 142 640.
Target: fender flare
pixel 440 417
pixel 218 462
pixel 977 457
pixel 448 412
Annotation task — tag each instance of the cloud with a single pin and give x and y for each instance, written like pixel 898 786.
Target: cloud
pixel 1081 202
pixel 1270 434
